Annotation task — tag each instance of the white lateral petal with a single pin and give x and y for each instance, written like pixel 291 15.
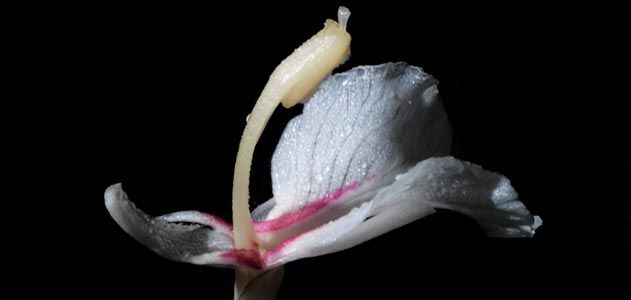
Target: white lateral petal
pixel 365 124
pixel 433 183
pixel 196 243
pixel 318 241
pixel 449 183
pixel 382 220
pixel 197 217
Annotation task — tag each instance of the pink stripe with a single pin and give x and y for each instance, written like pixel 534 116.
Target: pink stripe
pixel 303 213
pixel 244 258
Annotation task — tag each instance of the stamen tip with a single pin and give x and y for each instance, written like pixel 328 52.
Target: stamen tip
pixel 343 13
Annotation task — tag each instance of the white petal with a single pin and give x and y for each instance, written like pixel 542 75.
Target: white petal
pixel 197 217
pixel 382 220
pixel 205 241
pixel 369 123
pixel 445 183
pixel 433 183
pixel 449 183
pixel 318 241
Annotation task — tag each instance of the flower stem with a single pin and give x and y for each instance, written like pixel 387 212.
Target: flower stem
pixel 257 285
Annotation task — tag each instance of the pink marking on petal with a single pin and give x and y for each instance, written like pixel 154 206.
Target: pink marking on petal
pixel 244 257
pixel 274 251
pixel 305 212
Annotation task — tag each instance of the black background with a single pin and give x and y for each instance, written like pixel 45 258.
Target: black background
pixel 156 97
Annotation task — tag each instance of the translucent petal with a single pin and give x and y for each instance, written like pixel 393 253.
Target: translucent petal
pixel 442 182
pixel 204 239
pixel 449 183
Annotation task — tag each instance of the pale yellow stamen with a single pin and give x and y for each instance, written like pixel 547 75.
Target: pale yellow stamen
pixel 292 81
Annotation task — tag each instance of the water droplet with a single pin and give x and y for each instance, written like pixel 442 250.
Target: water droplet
pixel 247 118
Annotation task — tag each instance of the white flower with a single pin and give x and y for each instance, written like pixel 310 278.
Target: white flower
pixel 366 156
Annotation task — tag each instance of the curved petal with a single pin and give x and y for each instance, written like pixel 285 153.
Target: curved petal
pixel 485 196
pixel 206 240
pixel 448 183
pixel 369 123
pixel 433 183
pixel 197 217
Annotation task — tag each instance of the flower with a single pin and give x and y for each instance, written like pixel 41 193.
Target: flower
pixel 366 156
